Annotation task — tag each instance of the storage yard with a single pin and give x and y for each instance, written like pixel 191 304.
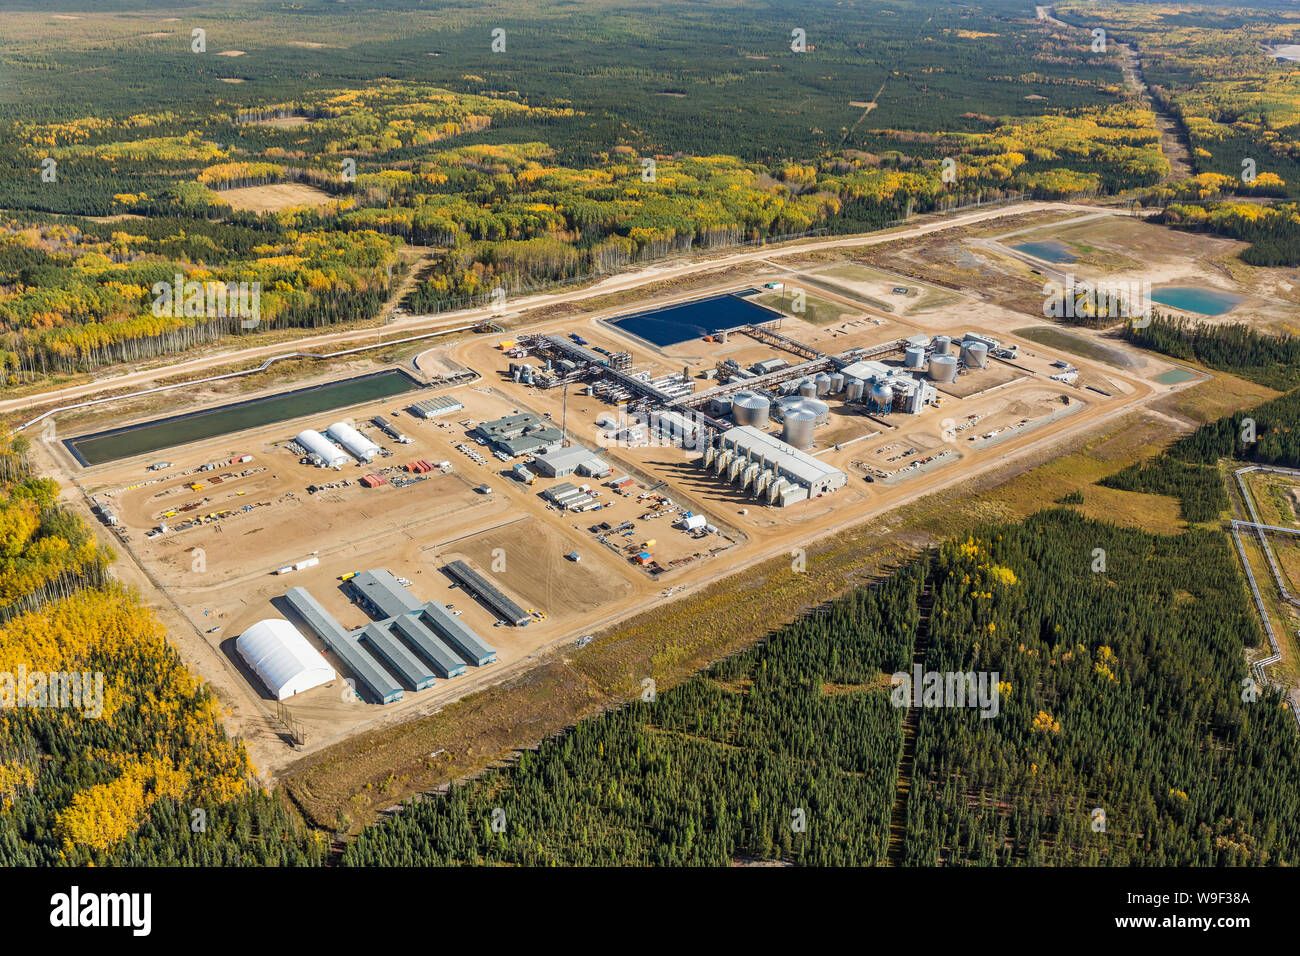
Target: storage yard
pixel 423 543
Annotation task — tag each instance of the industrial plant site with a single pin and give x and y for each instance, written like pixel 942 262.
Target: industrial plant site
pixel 375 547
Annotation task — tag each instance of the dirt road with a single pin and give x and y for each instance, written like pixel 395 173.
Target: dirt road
pixel 411 324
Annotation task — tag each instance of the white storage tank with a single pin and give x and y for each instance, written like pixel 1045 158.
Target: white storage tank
pixel 914 356
pixel 792 404
pixel 975 354
pixel 837 383
pixel 942 344
pixel 321 448
pixel 356 444
pixel 853 391
pixel 823 383
pixel 808 388
pixel 797 428
pixel 943 368
pixel 750 408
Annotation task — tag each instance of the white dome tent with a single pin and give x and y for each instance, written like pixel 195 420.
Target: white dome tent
pixel 284 660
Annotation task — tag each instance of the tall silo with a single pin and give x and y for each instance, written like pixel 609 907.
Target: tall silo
pixel 914 356
pixel 975 354
pixel 797 430
pixel 853 391
pixel 822 383
pixel 749 408
pixel 943 368
pixel 941 344
pixel 808 388
pixel 837 383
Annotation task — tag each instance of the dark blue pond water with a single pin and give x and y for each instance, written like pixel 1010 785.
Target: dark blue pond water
pixel 693 320
pixel 1049 250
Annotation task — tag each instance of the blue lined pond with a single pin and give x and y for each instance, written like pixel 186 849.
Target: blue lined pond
pixel 693 320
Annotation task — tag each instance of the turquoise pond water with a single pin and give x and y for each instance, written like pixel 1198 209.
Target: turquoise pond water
pixel 1049 250
pixel 1194 299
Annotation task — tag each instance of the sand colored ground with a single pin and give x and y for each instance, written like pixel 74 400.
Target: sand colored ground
pixel 413 531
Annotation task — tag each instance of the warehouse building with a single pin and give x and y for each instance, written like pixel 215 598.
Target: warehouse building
pixel 282 658
pixel 770 469
pixel 475 584
pixel 354 443
pixel 565 461
pixel 521 434
pixel 323 452
pixel 436 407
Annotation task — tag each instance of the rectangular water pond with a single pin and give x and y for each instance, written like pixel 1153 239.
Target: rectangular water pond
pixel 117 443
pixel 1193 299
pixel 694 320
pixel 1049 250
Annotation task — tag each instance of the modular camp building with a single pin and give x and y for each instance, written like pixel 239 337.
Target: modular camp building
pixel 356 444
pixel 320 449
pixel 282 658
pixel 478 586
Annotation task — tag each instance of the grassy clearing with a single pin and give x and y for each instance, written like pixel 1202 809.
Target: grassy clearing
pixel 817 311
pixel 1074 344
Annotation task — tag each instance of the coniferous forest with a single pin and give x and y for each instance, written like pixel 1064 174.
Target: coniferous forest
pixel 1119 691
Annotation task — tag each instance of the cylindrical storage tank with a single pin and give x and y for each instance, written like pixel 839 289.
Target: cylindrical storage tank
pixel 808 388
pixel 943 368
pixel 975 354
pixel 914 356
pixel 750 408
pixel 837 383
pixel 853 391
pixel 941 344
pixel 882 396
pixel 797 430
pixel 823 383
pixel 797 404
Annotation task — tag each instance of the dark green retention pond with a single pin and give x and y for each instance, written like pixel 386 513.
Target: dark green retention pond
pixel 117 443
